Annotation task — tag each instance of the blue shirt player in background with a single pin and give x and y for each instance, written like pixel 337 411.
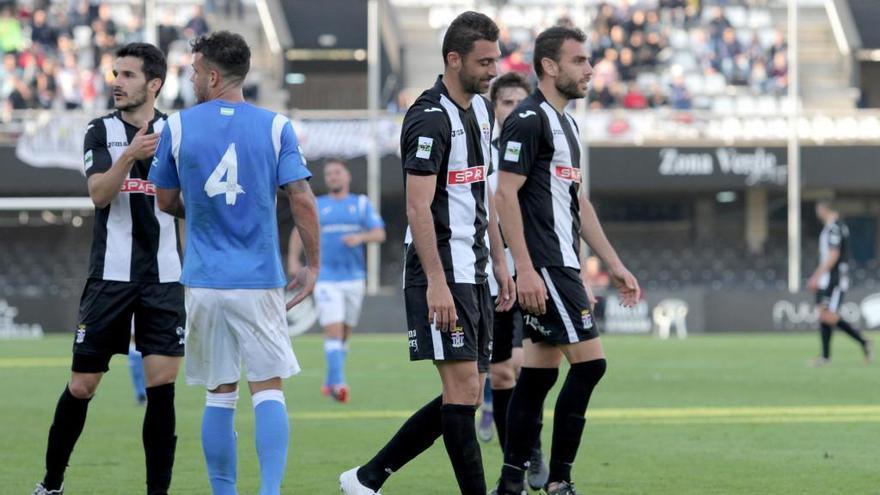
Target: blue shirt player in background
pixel 227 159
pixel 348 223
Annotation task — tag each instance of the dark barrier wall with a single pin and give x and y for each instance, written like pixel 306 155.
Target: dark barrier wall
pixel 675 169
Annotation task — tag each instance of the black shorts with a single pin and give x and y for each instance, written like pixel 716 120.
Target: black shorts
pixel 507 333
pixel 106 311
pixel 568 319
pixel 472 338
pixel 830 297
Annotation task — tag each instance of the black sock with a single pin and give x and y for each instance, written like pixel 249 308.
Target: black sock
pixel 568 418
pixel 851 331
pixel 524 422
pixel 70 418
pixel 825 332
pixel 460 438
pixel 500 401
pixel 413 438
pixel 159 439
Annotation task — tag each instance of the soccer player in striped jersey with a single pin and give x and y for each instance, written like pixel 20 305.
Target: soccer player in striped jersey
pixel 445 147
pixel 830 281
pixel 134 270
pixel 221 162
pixel 543 215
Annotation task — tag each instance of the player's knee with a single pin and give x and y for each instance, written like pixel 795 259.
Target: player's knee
pixel 503 375
pixel 465 391
pixel 82 388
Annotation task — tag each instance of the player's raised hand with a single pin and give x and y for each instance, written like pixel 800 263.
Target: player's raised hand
pixel 303 283
pixel 506 288
pixel 441 307
pixel 532 291
pixel 627 286
pixel 143 145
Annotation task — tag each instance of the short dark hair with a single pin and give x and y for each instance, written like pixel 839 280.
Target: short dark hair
pixel 334 159
pixel 466 29
pixel 152 60
pixel 228 51
pixel 827 203
pixel 549 43
pixel 509 80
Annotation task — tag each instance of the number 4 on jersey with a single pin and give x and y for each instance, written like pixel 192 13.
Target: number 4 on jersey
pixel 228 166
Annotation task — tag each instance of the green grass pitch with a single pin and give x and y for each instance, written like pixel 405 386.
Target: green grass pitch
pixel 723 414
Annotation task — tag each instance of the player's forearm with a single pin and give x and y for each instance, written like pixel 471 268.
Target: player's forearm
pixel 496 242
pixel 373 235
pixel 294 249
pixel 305 216
pixel 510 218
pixel 592 233
pixel 421 223
pixel 103 188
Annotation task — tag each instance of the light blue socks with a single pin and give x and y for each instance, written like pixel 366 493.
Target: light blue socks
pixel 272 431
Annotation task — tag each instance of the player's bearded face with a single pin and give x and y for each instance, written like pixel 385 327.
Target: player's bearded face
pixel 130 84
pixel 575 71
pixel 479 67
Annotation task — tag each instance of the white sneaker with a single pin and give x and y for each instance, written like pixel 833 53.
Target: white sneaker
pixel 351 485
pixel 41 490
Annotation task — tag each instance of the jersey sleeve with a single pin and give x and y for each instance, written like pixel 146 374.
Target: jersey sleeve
pixel 96 157
pixel 163 171
pixel 424 139
pixel 519 141
pixel 291 163
pixel 370 218
pixel 835 236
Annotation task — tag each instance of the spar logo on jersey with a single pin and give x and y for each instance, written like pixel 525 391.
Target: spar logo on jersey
pixel 80 333
pixel 567 173
pixel 139 186
pixel 466 175
pixel 457 337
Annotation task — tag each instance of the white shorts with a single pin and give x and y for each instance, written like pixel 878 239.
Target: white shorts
pixel 339 302
pixel 225 327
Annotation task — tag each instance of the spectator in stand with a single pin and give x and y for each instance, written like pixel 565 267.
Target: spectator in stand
pixel 197 25
pixel 634 98
pixel 11 38
pixel 605 20
pixel 168 32
pixel 656 97
pixel 679 96
pixel 718 24
pixel 758 78
pixel 626 67
pixel 517 62
pixel 741 71
pixel 41 32
pixel 779 74
pixel 642 55
pixel 600 95
pixel 779 45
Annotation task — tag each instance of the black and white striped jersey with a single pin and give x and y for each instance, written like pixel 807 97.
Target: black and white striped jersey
pixel 133 240
pixel 440 138
pixel 542 144
pixel 835 235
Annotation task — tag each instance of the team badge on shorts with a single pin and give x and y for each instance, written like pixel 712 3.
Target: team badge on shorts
pixel 80 333
pixel 586 319
pixel 457 337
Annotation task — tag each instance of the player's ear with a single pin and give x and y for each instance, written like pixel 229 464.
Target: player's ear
pixel 453 60
pixel 155 85
pixel 551 68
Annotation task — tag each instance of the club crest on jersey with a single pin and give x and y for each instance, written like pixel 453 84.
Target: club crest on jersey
pixel 466 175
pixel 426 144
pixel 567 173
pixel 80 333
pixel 457 336
pixel 586 319
pixel 511 151
pixel 487 131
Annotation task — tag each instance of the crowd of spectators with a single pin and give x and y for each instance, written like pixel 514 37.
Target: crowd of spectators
pixel 655 53
pixel 59 55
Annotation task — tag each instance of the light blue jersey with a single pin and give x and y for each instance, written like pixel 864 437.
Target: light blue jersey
pixel 339 218
pixel 229 159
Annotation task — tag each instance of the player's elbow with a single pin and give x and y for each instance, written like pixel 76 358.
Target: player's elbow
pixel 380 235
pixel 167 203
pixel 99 198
